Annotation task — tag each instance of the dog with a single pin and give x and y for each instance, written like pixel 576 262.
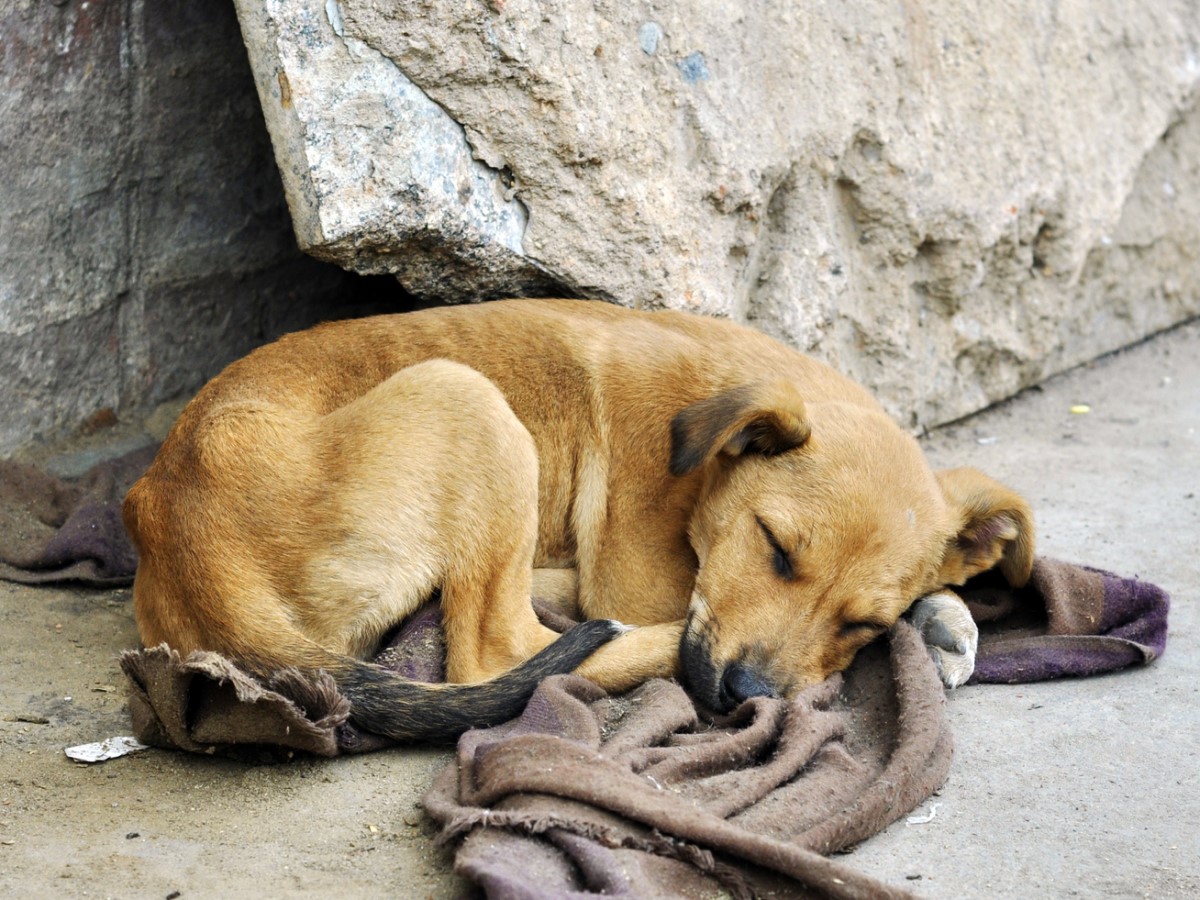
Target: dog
pixel 753 515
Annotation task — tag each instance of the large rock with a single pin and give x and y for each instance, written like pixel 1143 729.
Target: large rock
pixel 947 201
pixel 144 237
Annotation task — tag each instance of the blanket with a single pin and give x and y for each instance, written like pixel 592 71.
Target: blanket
pixel 649 794
pixel 645 794
pixel 54 529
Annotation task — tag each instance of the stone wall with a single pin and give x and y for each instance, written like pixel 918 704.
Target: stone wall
pixel 949 201
pixel 144 237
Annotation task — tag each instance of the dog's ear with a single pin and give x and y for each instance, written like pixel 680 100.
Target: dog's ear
pixel 764 417
pixel 993 526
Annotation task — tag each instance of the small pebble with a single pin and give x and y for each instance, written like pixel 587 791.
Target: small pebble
pixel 648 36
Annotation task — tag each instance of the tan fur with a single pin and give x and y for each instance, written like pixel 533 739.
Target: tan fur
pixel 319 490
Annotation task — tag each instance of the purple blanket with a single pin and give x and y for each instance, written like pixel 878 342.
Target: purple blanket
pixel 1068 621
pixel 53 529
pixel 647 794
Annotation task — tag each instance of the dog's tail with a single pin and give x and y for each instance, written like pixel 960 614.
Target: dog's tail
pixel 385 703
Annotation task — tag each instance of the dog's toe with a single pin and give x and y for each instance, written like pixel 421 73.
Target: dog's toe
pixel 950 634
pixel 954 668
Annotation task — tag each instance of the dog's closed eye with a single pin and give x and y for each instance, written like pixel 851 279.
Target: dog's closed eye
pixel 781 560
pixel 870 630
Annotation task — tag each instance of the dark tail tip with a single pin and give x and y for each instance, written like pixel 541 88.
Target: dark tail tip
pixel 383 702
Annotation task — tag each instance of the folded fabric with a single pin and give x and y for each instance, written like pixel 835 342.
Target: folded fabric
pixel 641 795
pixel 586 795
pixel 205 703
pixel 53 529
pixel 1068 621
pixel 647 794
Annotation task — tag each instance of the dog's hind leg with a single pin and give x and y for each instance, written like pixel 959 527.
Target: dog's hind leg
pixel 487 528
pixel 486 610
pixel 432 484
pixel 489 619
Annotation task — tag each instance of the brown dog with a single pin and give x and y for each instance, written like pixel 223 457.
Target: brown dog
pixel 755 513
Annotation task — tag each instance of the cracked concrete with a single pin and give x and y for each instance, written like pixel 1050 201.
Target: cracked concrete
pixel 144 237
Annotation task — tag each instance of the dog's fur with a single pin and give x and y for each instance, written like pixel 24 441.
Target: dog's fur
pixel 755 513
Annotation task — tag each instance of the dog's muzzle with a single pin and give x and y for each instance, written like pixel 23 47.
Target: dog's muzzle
pixel 740 682
pixel 724 689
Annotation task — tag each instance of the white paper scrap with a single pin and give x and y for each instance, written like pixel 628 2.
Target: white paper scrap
pixel 925 819
pixel 106 749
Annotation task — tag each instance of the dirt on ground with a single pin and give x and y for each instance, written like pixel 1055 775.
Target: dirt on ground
pixel 1074 788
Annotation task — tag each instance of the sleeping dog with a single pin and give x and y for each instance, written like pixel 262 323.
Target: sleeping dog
pixel 753 514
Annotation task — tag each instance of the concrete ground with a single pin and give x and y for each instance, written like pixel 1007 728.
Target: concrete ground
pixel 1084 788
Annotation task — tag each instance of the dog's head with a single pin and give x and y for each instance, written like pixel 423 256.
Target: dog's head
pixel 816 528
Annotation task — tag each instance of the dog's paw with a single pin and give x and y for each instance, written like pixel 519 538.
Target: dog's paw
pixel 950 634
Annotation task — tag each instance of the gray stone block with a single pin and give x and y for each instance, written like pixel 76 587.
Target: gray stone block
pixel 947 202
pixel 366 157
pixel 144 237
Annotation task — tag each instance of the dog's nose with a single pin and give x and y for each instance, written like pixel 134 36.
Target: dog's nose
pixel 740 682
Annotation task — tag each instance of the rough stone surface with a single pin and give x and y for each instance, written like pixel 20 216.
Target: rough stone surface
pixel 947 201
pixel 144 237
pixel 367 156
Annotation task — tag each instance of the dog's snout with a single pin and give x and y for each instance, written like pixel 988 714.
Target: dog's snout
pixel 741 682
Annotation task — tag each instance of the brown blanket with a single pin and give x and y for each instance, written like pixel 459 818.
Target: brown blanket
pixel 648 795
pixel 642 796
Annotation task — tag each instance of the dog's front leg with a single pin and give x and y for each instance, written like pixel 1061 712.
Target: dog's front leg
pixel 649 651
pixel 950 634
